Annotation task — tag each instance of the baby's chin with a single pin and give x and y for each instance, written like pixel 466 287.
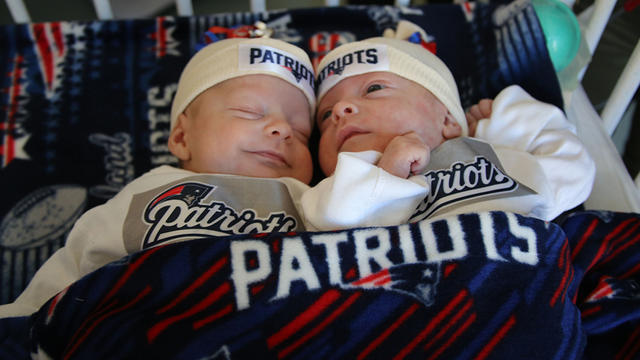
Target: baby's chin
pixel 363 142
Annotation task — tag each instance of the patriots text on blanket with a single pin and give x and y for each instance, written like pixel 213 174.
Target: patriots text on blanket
pixel 251 259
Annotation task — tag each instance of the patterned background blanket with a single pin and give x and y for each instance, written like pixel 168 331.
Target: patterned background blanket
pixel 86 110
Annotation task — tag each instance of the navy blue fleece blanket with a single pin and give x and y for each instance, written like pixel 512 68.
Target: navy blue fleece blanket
pixel 479 285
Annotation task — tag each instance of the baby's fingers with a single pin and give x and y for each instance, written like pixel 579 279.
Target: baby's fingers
pixel 479 111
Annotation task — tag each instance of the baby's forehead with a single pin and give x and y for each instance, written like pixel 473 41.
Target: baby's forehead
pixel 250 81
pixel 253 87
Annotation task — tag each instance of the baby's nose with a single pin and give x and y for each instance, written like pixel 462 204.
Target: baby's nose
pixel 278 126
pixel 344 109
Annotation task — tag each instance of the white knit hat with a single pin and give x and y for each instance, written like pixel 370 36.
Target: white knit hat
pixel 401 57
pixel 230 58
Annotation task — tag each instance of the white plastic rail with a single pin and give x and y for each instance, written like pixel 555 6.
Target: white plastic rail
pixel 184 7
pixel 18 11
pixel 623 92
pixel 601 13
pixel 103 9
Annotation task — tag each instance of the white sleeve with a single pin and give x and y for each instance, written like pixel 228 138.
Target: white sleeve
pixel 539 147
pixel 359 193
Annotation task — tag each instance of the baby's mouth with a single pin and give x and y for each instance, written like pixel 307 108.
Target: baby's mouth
pixel 272 157
pixel 347 133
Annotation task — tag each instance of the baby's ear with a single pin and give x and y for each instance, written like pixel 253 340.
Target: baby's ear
pixel 178 139
pixel 451 127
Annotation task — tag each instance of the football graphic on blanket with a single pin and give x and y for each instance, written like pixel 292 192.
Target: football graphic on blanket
pixel 46 213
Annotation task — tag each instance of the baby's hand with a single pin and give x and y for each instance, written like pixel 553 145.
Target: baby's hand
pixel 405 155
pixel 479 111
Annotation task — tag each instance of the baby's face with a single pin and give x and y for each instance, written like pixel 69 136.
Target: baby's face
pixel 365 112
pixel 254 125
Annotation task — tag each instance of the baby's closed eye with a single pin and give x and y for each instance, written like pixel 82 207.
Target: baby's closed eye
pixel 247 113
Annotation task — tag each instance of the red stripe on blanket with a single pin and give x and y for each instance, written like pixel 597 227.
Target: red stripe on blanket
pixel 621 248
pixel 584 238
pixel 623 238
pixel 103 307
pixel 432 324
pixel 93 325
pixel 455 336
pixel 214 296
pixel 497 338
pixel 196 284
pixel 450 324
pixel 304 318
pixel 590 311
pixel 54 302
pixel 373 277
pixel 564 282
pixel 388 331
pixel 161 38
pixel 607 240
pixel 561 258
pixel 44 50
pixel 130 270
pixel 320 327
pixel 631 272
pixel 7 150
pixel 211 318
pixel 449 268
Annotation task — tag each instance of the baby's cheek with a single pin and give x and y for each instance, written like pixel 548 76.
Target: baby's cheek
pixel 327 156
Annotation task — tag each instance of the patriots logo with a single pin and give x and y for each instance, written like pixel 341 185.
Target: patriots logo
pixel 418 280
pixel 190 193
pixel 337 70
pixel 295 73
pixel 612 288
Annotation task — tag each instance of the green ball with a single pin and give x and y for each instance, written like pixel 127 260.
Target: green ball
pixel 561 31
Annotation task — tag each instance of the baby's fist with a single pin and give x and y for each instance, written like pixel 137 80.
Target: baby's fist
pixel 405 155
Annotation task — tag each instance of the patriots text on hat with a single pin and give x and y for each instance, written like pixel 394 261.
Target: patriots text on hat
pixel 235 57
pixel 362 56
pixel 264 54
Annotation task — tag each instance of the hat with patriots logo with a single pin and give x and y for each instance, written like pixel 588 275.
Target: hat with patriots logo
pixel 392 53
pixel 235 57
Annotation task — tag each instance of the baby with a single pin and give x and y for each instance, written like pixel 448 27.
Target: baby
pixel 240 122
pixel 394 140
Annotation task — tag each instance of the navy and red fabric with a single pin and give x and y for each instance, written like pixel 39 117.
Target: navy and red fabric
pixel 479 285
